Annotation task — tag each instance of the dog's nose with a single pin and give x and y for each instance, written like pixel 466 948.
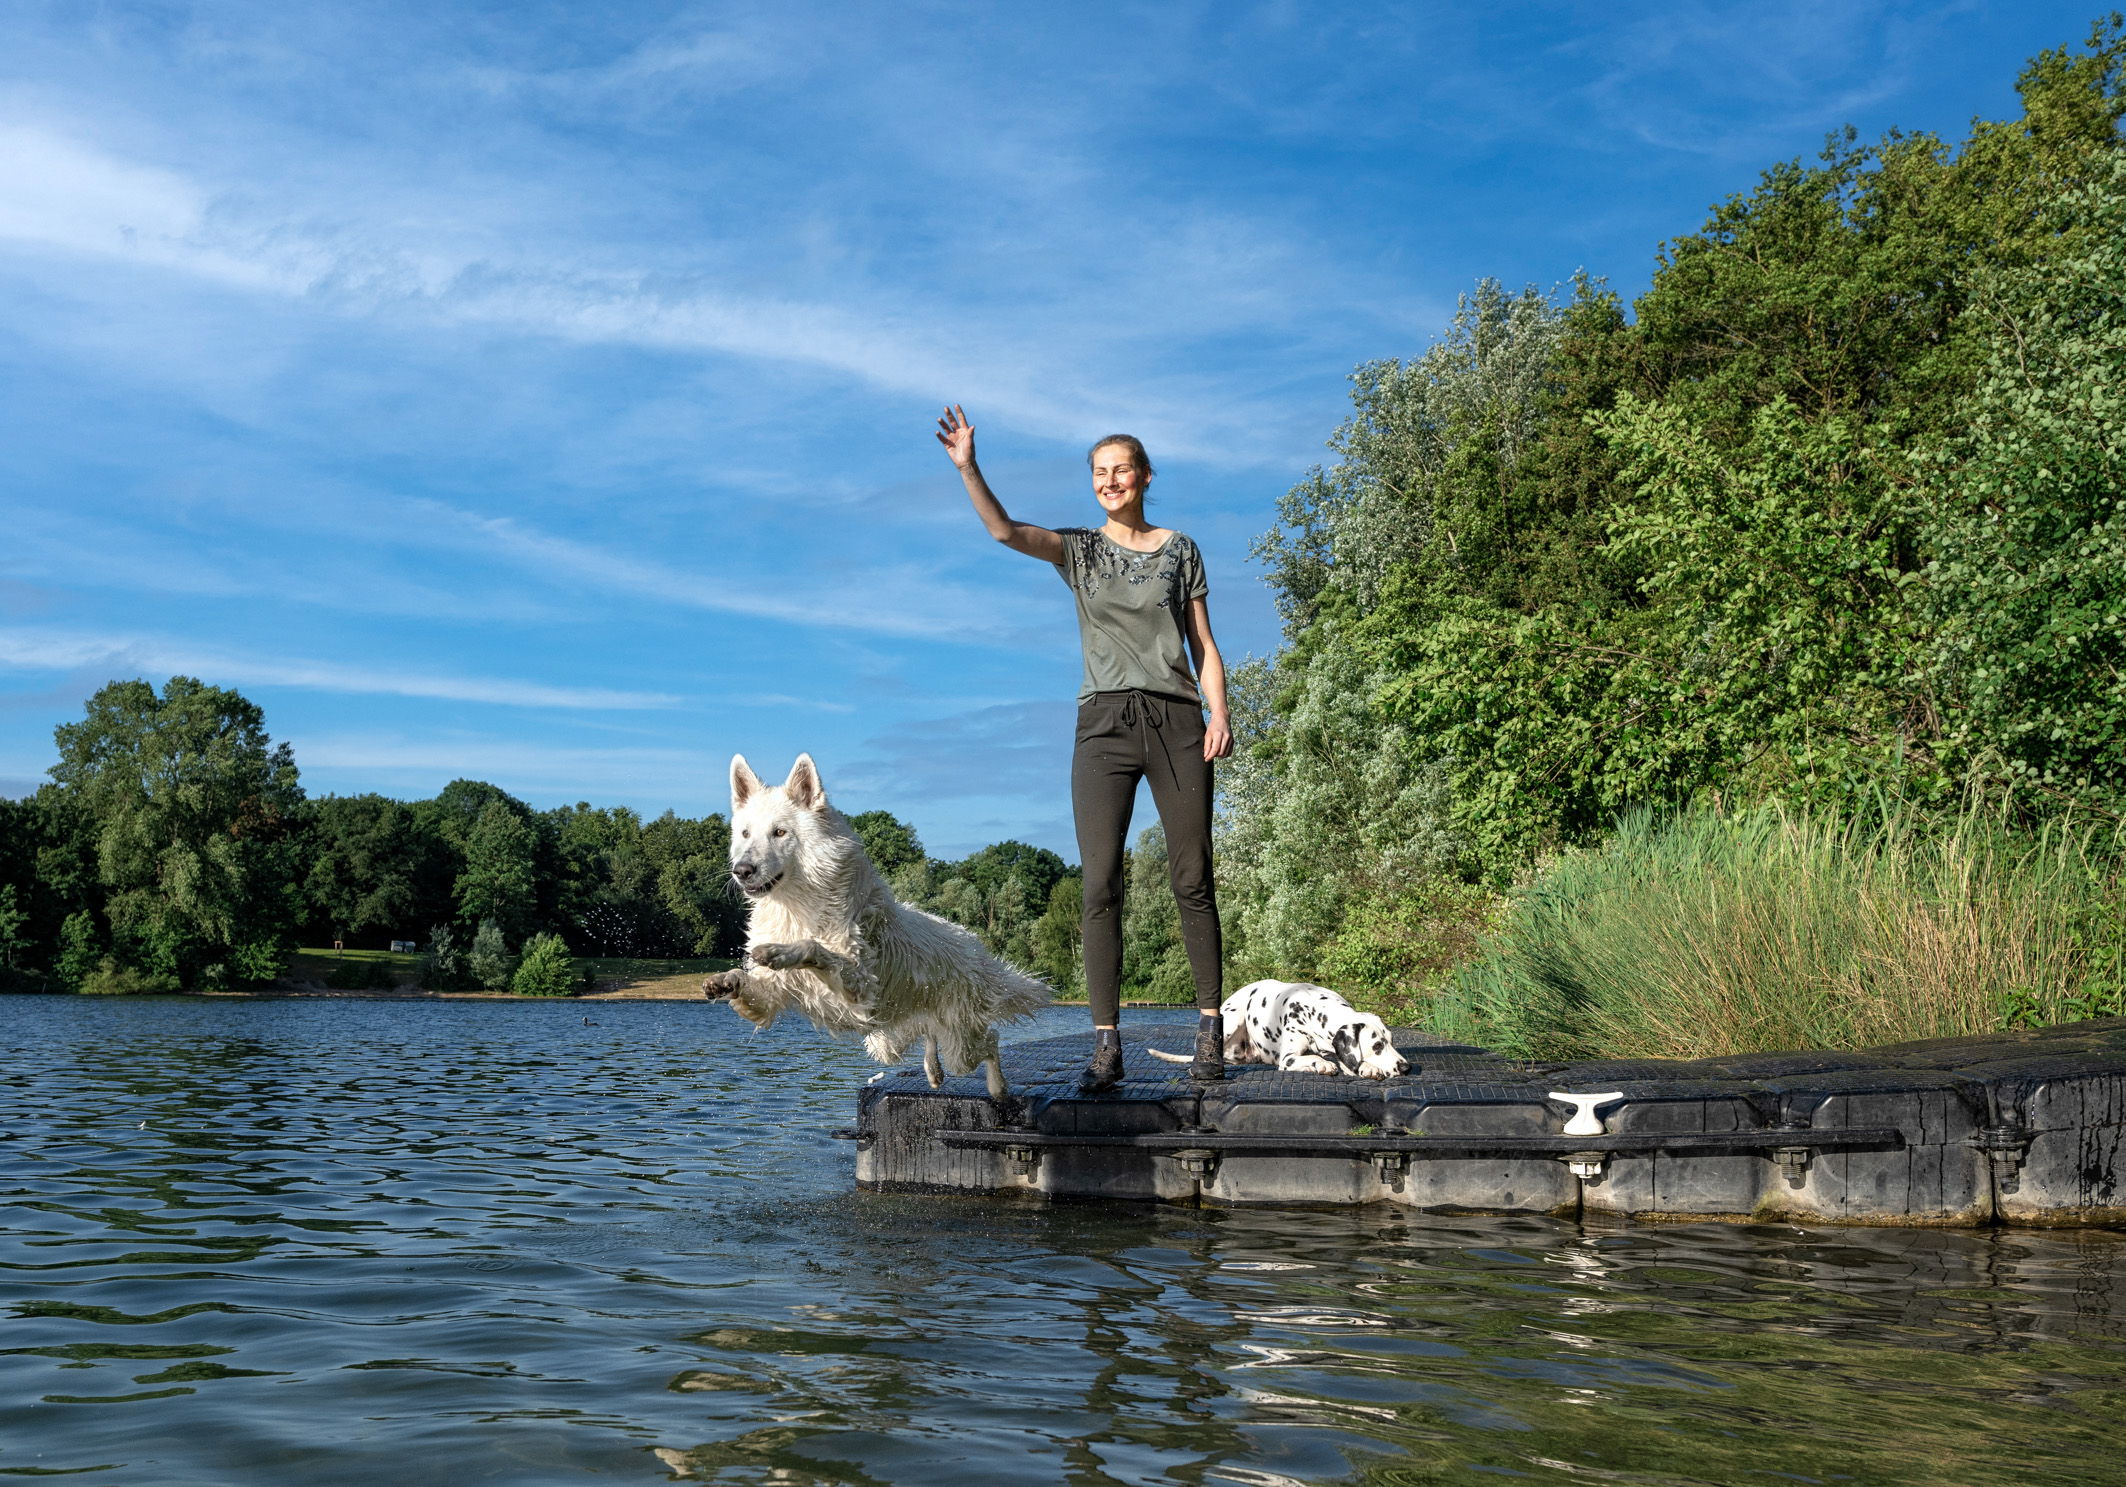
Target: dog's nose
pixel 744 872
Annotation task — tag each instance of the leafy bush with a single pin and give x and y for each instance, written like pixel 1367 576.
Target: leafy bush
pixel 112 979
pixel 80 951
pixel 548 969
pixel 1704 932
pixel 255 962
pixel 1393 950
pixel 1326 803
pixel 443 965
pixel 489 960
pixel 13 941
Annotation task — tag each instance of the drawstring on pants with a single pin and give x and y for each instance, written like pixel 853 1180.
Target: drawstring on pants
pixel 1129 709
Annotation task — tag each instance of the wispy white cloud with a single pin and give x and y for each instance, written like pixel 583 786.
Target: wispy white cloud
pixel 1019 750
pixel 141 556
pixel 23 649
pixel 1032 359
pixel 1731 82
pixel 688 780
pixel 783 699
pixel 903 599
pixel 515 757
pixel 64 194
pixel 805 585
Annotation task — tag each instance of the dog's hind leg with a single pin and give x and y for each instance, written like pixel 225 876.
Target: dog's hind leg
pixel 931 1066
pixel 1010 1112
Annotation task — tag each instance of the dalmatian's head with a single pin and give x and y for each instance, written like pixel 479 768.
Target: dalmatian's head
pixel 1363 1045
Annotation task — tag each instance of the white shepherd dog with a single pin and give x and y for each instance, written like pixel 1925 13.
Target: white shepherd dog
pixel 828 938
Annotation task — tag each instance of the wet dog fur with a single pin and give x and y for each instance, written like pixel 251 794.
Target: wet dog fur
pixel 826 938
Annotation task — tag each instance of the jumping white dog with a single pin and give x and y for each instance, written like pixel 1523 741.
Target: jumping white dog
pixel 829 939
pixel 1303 1028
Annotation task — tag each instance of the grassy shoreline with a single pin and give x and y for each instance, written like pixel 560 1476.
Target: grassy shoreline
pixel 1702 932
pixel 395 974
pixel 613 978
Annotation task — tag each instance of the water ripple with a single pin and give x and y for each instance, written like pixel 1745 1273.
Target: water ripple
pixel 356 1241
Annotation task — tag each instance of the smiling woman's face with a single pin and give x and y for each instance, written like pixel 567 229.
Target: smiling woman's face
pixel 1118 480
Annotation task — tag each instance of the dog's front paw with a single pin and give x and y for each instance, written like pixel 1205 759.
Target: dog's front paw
pixel 777 957
pixel 723 984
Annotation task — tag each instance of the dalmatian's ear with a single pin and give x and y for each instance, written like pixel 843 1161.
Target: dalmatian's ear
pixel 1346 1045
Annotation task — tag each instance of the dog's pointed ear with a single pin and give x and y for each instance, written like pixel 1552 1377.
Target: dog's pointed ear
pixel 803 787
pixel 744 783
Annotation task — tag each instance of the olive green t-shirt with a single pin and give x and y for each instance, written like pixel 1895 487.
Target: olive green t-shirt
pixel 1132 611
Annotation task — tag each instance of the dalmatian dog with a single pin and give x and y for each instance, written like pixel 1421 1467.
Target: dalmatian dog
pixel 1303 1028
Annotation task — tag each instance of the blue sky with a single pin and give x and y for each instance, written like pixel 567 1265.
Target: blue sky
pixel 541 393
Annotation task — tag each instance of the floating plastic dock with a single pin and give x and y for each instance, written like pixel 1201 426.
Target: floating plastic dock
pixel 2011 1128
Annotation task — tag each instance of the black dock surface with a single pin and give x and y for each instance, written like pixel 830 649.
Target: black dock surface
pixel 2016 1128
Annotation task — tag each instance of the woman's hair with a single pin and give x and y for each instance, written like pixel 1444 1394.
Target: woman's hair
pixel 1128 441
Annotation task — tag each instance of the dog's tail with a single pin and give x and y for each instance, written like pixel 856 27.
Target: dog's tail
pixel 1172 1058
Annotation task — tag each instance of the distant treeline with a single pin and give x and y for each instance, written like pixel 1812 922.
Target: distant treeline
pixel 1833 515
pixel 176 850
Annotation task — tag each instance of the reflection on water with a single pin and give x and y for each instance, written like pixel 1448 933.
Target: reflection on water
pixel 375 1242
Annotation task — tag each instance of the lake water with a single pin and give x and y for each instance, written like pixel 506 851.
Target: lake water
pixel 404 1243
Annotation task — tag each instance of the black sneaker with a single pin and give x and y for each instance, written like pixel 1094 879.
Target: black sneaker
pixel 1105 1071
pixel 1209 1063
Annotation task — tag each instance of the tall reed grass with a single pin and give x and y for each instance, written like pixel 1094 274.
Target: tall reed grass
pixel 1703 932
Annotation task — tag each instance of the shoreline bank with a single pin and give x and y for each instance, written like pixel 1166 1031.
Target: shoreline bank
pixel 645 991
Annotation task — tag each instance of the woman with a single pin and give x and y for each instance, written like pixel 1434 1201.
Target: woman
pixel 1141 614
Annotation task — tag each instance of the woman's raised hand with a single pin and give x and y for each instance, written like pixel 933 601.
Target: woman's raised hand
pixel 957 435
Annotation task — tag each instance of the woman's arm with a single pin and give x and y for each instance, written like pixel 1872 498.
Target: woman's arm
pixel 1210 676
pixel 957 435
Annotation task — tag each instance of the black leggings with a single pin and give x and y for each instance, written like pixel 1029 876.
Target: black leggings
pixel 1124 737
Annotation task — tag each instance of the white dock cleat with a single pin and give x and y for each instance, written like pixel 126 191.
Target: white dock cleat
pixel 1584 1121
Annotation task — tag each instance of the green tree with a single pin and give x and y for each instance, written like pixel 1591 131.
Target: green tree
pixel 889 842
pixel 456 808
pixel 691 859
pixel 1593 561
pixel 192 804
pixel 1327 807
pixel 498 885
pixel 1000 892
pixel 604 884
pixel 374 866
pixel 1056 943
pixel 80 951
pixel 14 921
pixel 2027 584
pixel 1154 961
pixel 443 963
